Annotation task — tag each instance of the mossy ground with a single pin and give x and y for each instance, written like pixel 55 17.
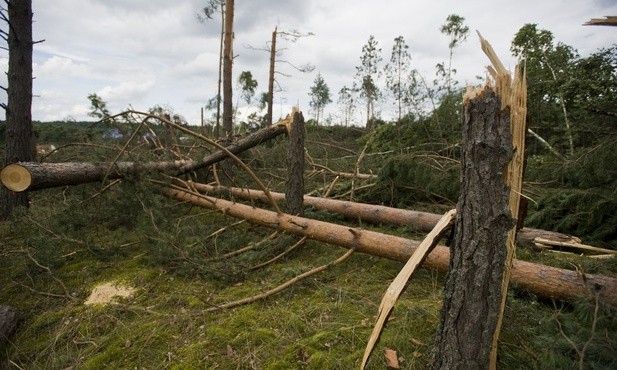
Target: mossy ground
pixel 73 239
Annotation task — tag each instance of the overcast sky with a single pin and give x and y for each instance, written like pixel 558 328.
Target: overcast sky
pixel 154 52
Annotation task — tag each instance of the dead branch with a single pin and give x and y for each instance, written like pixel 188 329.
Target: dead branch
pixel 283 286
pixel 545 281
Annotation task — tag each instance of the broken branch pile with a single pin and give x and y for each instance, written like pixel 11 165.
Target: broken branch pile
pixel 545 281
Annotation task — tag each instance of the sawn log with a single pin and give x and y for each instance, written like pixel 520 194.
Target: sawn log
pixel 27 176
pixel 545 281
pixel 421 221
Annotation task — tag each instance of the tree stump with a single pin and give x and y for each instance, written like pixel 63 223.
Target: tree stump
pixel 9 323
pixel 473 291
pixel 294 187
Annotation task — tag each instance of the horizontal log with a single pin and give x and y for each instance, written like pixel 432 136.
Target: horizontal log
pixel 28 176
pixel 545 281
pixel 254 139
pixel 421 221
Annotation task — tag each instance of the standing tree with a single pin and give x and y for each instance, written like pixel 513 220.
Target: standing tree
pixel 458 32
pixel 208 11
pixel 292 36
pixel 550 69
pixel 19 140
pixel 367 75
pixel 400 77
pixel 247 86
pixel 227 70
pixel 346 98
pixel 320 95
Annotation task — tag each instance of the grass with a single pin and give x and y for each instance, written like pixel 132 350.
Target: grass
pixel 70 242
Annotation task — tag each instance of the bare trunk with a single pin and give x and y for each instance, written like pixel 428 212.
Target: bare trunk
pixel 474 289
pixel 227 71
pixel 294 187
pixel 217 129
pixel 29 176
pixel 271 78
pixel 545 281
pixel 256 138
pixel 18 137
pixel 421 221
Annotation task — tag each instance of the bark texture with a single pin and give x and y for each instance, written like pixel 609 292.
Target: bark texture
pixel 228 59
pixel 18 137
pixel 294 187
pixel 269 118
pixel 421 221
pixel 473 291
pixel 9 323
pixel 545 281
pixel 49 175
pixel 248 142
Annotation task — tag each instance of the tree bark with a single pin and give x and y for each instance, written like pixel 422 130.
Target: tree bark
pixel 271 78
pixel 421 221
pixel 29 176
pixel 227 71
pixel 294 187
pixel 248 142
pixel 474 289
pixel 18 137
pixel 545 281
pixel 9 323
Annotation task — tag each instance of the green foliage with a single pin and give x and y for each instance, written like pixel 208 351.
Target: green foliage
pixel 571 99
pixel 407 179
pixel 320 95
pixel 247 86
pixel 579 197
pixel 367 74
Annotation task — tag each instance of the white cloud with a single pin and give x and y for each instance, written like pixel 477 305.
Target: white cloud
pixel 128 92
pixel 151 52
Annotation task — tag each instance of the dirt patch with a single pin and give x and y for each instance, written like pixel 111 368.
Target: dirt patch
pixel 106 292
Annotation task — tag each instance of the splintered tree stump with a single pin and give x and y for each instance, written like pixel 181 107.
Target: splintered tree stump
pixel 478 254
pixel 294 187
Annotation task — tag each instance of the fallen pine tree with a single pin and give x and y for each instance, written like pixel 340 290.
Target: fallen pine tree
pixel 544 281
pixel 28 176
pixel 421 221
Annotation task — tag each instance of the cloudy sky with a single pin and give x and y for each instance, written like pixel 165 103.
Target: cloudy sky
pixel 154 52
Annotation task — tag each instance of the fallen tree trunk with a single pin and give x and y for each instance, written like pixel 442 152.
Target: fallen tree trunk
pixel 27 176
pixel 421 221
pixel 241 145
pixel 545 281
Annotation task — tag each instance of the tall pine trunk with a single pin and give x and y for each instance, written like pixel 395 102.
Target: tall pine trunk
pixel 227 71
pixel 18 140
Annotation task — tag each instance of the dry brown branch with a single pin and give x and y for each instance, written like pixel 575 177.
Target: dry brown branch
pixel 281 255
pixel 545 281
pixel 218 146
pixel 67 294
pixel 283 286
pixel 398 284
pixel 609 20
pixel 249 247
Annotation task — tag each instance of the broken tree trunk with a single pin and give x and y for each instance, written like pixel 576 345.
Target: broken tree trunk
pixel 294 186
pixel 473 291
pixel 492 157
pixel 28 176
pixel 545 281
pixel 256 138
pixel 421 221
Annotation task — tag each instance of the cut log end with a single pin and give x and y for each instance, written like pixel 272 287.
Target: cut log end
pixel 16 177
